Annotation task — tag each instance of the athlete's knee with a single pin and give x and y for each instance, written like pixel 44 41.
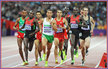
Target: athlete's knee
pixel 56 47
pixel 36 47
pixel 20 48
pixel 83 48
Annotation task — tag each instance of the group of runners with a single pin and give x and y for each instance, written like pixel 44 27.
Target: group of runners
pixel 42 32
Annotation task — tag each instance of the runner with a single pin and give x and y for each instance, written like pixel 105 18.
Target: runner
pixel 38 41
pixel 59 35
pixel 74 33
pixel 20 36
pixel 30 25
pixel 86 33
pixel 48 34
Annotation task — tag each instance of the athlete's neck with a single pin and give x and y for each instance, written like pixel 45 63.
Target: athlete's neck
pixel 23 17
pixel 74 15
pixel 85 15
pixel 38 18
pixel 31 18
pixel 58 18
pixel 48 18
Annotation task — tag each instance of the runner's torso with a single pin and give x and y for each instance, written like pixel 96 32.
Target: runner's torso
pixel 29 25
pixel 87 22
pixel 47 29
pixel 21 22
pixel 73 22
pixel 59 30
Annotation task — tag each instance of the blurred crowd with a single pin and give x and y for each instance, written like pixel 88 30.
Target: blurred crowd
pixel 11 10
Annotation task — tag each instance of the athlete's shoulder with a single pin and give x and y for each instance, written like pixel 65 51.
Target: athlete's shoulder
pixel 53 21
pixel 18 19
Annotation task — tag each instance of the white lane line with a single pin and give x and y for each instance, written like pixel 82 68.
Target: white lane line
pixel 80 53
pixel 28 61
pixel 97 64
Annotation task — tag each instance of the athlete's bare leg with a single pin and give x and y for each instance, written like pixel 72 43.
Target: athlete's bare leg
pixel 19 41
pixel 26 40
pixel 72 39
pixel 56 42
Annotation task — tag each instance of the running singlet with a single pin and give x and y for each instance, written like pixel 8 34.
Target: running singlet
pixel 88 24
pixel 73 22
pixel 38 34
pixel 21 22
pixel 29 25
pixel 47 29
pixel 59 30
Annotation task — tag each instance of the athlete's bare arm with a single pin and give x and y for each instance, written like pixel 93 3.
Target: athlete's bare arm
pixel 37 27
pixel 66 24
pixel 23 25
pixel 54 25
pixel 16 23
pixel 92 26
pixel 40 25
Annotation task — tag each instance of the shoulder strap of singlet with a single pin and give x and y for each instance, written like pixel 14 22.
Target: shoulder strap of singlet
pixel 61 18
pixel 56 19
pixel 20 18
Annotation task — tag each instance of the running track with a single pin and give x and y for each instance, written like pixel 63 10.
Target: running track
pixel 10 57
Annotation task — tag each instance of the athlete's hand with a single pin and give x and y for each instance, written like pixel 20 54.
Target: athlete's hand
pixel 31 34
pixel 16 28
pixel 20 29
pixel 60 26
pixel 91 32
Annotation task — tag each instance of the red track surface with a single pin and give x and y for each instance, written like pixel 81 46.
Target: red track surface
pixel 11 58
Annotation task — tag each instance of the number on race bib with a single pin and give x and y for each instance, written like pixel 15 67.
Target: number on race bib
pixel 88 28
pixel 59 30
pixel 74 25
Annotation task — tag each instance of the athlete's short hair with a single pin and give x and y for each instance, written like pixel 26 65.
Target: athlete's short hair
pixel 38 12
pixel 59 10
pixel 49 10
pixel 85 7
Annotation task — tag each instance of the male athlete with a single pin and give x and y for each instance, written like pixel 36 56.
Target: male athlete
pixel 32 27
pixel 59 35
pixel 86 33
pixel 38 41
pixel 74 33
pixel 48 34
pixel 20 36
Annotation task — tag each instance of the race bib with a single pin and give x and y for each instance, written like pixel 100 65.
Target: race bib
pixel 70 31
pixel 47 29
pixel 88 28
pixel 28 27
pixel 59 30
pixel 74 25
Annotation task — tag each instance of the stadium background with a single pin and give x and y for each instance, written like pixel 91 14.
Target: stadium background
pixel 11 11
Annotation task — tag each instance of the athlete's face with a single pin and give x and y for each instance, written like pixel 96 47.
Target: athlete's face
pixel 75 11
pixel 24 13
pixel 66 10
pixel 81 12
pixel 38 15
pixel 31 14
pixel 59 13
pixel 49 14
pixel 85 11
